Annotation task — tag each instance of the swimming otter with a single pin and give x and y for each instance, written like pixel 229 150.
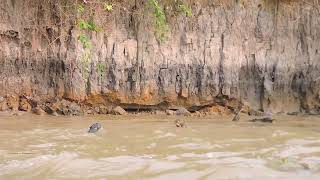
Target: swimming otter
pixel 94 128
pixel 180 123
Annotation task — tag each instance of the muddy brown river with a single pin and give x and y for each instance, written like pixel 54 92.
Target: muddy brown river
pixel 151 147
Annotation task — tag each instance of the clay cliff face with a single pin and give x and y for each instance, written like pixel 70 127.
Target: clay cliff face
pixel 263 53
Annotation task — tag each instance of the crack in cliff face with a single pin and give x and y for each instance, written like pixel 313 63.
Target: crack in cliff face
pixel 303 42
pixel 132 78
pixel 199 79
pixel 178 84
pixel 111 71
pixel 258 29
pixel 161 80
pixel 299 86
pixel 221 64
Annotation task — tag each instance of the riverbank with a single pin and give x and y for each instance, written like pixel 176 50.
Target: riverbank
pixel 15 105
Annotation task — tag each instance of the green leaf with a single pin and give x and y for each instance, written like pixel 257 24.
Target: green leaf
pixel 107 7
pixel 82 38
pixel 161 26
pixel 83 25
pixel 85 41
pixel 100 69
pixel 80 8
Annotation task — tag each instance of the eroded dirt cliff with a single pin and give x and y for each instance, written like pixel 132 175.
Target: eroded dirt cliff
pixel 262 53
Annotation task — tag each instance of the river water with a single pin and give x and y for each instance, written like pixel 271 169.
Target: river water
pixel 151 147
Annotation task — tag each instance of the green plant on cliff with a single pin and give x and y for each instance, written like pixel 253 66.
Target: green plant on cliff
pixel 89 25
pixel 161 25
pixel 86 24
pixel 79 8
pixel 184 8
pixel 86 61
pixel 107 7
pixel 85 41
pixel 100 69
